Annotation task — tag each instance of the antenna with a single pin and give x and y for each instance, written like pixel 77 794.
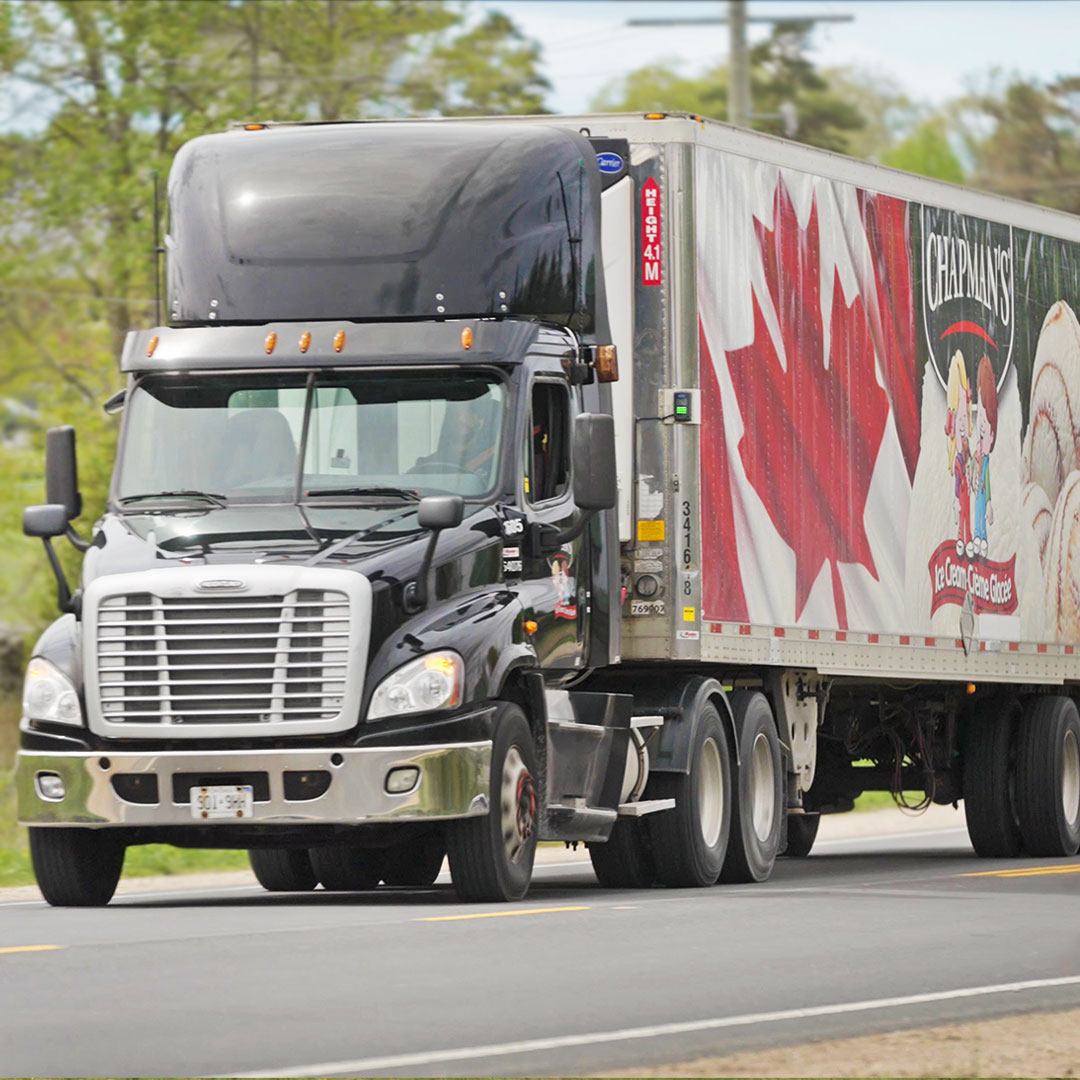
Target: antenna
pixel 158 251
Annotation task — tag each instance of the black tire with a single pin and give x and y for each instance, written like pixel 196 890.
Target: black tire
pixel 76 867
pixel 341 867
pixel 757 813
pixel 625 861
pixel 491 857
pixel 801 834
pixel 415 863
pixel 283 869
pixel 1048 777
pixel 989 760
pixel 685 856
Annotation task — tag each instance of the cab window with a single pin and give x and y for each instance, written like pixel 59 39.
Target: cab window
pixel 548 469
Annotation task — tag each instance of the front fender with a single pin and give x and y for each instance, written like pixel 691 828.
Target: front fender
pixel 485 628
pixel 60 644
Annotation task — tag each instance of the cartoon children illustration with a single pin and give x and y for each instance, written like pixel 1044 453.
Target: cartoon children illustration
pixel 958 429
pixel 983 438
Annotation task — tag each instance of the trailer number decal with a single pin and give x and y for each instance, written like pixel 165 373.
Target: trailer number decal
pixel 650 233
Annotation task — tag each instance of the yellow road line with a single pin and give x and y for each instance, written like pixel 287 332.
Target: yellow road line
pixel 29 948
pixel 1035 871
pixel 502 914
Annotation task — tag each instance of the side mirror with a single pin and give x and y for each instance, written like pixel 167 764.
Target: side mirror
pixel 435 512
pixel 61 472
pixel 593 452
pixel 440 512
pixel 46 521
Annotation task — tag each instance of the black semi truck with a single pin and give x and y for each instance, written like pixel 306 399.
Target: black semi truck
pixel 399 564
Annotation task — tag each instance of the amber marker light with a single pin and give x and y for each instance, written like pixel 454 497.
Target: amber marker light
pixel 339 341
pixel 466 338
pixel 271 342
pixel 531 627
pixel 607 363
pixel 305 341
pixel 151 345
pixel 254 127
pixel 655 115
pixel 971 688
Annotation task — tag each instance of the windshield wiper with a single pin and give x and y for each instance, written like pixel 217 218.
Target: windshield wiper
pixel 183 493
pixel 356 537
pixel 393 492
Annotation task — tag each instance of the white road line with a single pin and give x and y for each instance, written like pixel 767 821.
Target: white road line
pixel 594 1038
pixel 914 835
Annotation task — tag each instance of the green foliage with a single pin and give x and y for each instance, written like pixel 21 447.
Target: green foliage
pixel 780 74
pixel 117 87
pixel 927 151
pixel 1031 146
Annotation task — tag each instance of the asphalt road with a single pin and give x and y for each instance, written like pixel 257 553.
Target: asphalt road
pixel 868 934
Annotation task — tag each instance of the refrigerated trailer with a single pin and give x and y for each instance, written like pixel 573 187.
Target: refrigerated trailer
pixel 639 481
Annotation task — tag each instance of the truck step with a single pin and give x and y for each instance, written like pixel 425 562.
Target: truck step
pixel 646 806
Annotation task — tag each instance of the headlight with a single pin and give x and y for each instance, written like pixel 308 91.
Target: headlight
pixel 49 695
pixel 422 685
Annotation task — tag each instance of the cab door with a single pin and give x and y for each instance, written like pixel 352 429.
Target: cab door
pixel 555 580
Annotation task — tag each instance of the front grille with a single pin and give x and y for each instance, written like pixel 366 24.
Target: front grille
pixel 223 660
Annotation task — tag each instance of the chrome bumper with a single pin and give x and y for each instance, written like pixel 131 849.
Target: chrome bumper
pixel 453 782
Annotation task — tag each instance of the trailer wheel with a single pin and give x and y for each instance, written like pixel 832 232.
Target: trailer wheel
pixel 801 834
pixel 341 867
pixel 416 862
pixel 689 841
pixel 989 759
pixel 491 857
pixel 1048 777
pixel 756 815
pixel 283 869
pixel 625 861
pixel 76 867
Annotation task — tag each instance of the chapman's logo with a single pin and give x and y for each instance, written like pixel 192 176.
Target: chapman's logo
pixel 221 585
pixel 967 292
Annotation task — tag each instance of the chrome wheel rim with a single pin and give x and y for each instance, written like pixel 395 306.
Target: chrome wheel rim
pixel 762 783
pixel 517 806
pixel 710 795
pixel 1070 779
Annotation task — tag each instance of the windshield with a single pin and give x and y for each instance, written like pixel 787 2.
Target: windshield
pixel 239 437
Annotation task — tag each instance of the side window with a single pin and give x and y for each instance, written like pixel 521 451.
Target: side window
pixel 548 442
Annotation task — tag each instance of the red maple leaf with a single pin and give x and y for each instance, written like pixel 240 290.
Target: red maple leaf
pixel 885 220
pixel 812 432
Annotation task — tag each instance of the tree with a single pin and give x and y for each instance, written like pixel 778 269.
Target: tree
pixel 1032 148
pixel 927 151
pixel 780 73
pixel 117 86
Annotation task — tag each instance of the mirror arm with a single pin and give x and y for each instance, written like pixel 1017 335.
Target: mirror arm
pixel 575 530
pixel 63 590
pixel 76 541
pixel 542 539
pixel 416 592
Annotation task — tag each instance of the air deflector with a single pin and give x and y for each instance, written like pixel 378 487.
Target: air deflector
pixel 375 221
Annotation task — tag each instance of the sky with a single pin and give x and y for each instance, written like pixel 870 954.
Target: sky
pixel 932 48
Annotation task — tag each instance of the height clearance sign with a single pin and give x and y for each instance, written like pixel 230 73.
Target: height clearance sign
pixel 650 233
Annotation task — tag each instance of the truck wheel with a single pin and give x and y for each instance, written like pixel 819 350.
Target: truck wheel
pixel 341 867
pixel 756 813
pixel 1048 777
pixel 801 834
pixel 283 869
pixel 416 863
pixel 76 867
pixel 690 840
pixel 491 857
pixel 625 861
pixel 989 757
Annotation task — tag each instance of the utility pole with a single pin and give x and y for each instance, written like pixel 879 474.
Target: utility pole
pixel 739 108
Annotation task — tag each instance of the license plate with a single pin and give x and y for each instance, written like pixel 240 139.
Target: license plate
pixel 227 801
